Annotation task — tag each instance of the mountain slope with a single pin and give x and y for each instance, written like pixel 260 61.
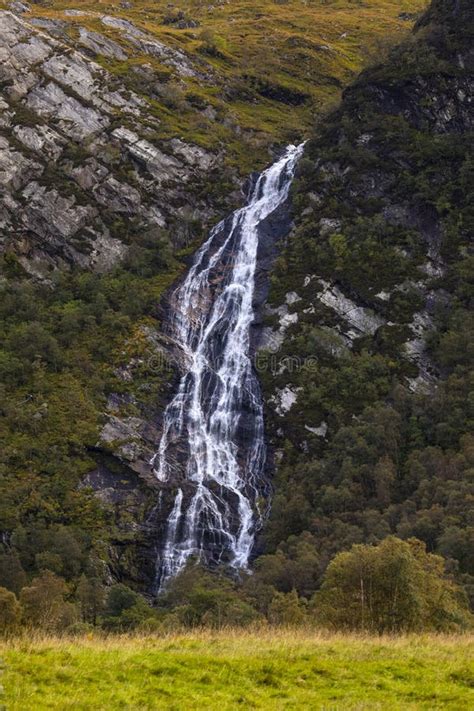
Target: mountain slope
pixel 370 416
pixel 124 134
pixel 371 412
pixel 230 76
pixel 366 341
pixel 81 172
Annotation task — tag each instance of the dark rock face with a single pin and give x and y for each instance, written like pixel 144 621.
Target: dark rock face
pixel 446 111
pixel 134 512
pixel 456 16
pixel 272 235
pixel 431 76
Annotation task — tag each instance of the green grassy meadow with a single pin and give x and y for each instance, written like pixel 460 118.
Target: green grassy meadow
pixel 282 669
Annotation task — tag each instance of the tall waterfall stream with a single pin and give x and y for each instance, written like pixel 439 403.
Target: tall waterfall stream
pixel 212 446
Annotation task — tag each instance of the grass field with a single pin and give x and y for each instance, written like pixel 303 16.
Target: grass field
pixel 231 670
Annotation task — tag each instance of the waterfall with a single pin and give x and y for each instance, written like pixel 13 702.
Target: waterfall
pixel 212 446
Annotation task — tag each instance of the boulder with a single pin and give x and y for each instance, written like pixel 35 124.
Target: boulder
pixel 41 139
pixel 19 8
pixel 15 168
pixel 75 119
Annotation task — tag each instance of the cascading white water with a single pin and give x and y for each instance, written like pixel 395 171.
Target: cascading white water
pixel 212 444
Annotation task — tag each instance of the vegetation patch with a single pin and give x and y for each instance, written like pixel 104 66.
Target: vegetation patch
pixel 261 669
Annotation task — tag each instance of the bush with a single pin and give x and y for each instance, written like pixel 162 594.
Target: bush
pixel 12 575
pixel 91 596
pixel 43 603
pixel 287 609
pixel 125 609
pixel 199 597
pixel 120 598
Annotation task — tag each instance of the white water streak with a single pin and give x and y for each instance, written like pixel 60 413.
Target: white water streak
pixel 213 315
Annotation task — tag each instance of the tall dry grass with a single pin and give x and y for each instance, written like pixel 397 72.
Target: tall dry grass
pixel 238 638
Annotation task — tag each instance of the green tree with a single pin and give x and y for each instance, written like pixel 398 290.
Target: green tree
pixel 120 598
pixel 90 594
pixel 125 609
pixel 47 560
pixel 9 611
pixel 201 597
pixel 30 341
pixel 12 575
pixel 392 587
pixel 295 565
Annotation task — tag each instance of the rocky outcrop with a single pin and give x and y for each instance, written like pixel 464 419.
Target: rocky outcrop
pixel 75 153
pixel 99 44
pixel 147 44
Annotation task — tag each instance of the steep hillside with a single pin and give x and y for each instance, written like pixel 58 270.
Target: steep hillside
pixel 82 172
pixel 369 387
pixel 125 133
pixel 233 76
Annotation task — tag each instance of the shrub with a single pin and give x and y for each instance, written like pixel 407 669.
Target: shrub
pixel 287 609
pixel 43 603
pixel 9 611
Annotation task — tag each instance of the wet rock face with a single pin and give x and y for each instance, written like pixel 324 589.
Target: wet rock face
pixel 62 166
pixel 272 233
pixel 212 449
